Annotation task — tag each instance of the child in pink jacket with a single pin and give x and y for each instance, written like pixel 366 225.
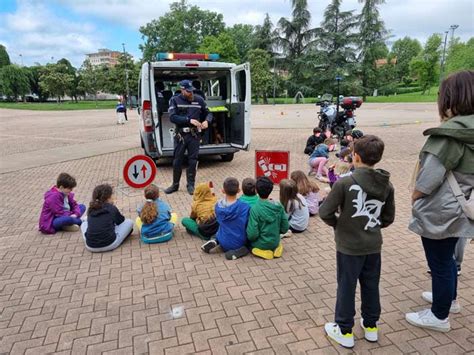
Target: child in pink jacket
pixel 60 211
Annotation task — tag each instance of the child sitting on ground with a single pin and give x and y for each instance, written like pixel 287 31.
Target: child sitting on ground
pixel 309 190
pixel 319 158
pixel 202 220
pixel 155 222
pixel 357 208
pixel 249 194
pixel 267 221
pixel 295 207
pixel 105 228
pixel 60 210
pixel 343 167
pixel 232 216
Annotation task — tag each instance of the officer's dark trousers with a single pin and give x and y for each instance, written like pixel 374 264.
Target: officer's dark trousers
pixel 366 269
pixel 191 144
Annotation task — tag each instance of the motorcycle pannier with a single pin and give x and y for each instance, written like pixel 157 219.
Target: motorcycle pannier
pixel 351 102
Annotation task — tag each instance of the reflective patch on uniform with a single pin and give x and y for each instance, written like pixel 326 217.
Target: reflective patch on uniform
pixel 188 106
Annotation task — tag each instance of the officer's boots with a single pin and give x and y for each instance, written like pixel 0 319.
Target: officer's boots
pixel 175 185
pixel 190 175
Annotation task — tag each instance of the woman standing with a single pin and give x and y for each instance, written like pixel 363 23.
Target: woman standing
pixel 437 215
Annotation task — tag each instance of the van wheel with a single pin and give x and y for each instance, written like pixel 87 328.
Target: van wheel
pixel 227 157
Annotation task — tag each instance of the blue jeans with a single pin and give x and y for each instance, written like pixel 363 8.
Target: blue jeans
pixel 63 221
pixel 444 278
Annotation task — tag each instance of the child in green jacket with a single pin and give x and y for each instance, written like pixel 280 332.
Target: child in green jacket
pixel 249 194
pixel 267 221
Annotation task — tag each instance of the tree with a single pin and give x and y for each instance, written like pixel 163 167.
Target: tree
pixel 14 81
pixel 261 77
pixel 372 34
pixel 243 37
pixel 34 77
pixel 426 65
pixel 404 50
pixel 182 29
pixel 336 43
pixel 92 79
pixel 223 45
pixel 460 56
pixel 264 36
pixel 4 57
pixel 116 80
pixel 56 80
pixel 67 68
pixel 295 37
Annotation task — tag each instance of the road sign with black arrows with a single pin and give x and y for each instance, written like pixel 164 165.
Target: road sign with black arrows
pixel 139 171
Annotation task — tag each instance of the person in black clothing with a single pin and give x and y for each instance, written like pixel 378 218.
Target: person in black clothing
pixel 105 228
pixel 190 114
pixel 318 137
pixel 197 89
pixel 160 100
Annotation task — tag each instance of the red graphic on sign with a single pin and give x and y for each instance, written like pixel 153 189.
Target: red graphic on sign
pixel 139 171
pixel 273 164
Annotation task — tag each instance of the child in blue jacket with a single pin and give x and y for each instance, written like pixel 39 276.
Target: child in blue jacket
pixel 232 215
pixel 155 221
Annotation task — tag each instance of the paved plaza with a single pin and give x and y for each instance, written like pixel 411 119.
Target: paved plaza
pixel 171 298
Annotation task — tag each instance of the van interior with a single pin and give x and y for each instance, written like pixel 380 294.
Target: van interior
pixel 215 87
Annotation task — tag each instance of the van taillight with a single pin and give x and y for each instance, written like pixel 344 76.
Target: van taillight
pixel 147 117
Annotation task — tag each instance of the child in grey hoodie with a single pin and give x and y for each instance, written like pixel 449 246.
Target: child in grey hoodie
pixel 358 206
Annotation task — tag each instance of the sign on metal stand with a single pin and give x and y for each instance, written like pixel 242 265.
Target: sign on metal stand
pixel 139 171
pixel 273 164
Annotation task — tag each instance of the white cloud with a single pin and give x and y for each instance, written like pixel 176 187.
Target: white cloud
pixel 404 17
pixel 39 35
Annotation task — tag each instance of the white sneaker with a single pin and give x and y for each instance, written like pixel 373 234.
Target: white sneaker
pixel 370 334
pixel 455 306
pixel 287 234
pixel 426 319
pixel 334 332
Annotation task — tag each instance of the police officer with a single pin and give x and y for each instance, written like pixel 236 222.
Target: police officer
pixel 190 114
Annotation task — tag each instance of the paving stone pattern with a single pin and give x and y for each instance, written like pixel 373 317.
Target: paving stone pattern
pixel 56 297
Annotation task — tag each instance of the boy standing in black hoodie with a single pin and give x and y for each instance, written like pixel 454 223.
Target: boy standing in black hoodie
pixel 358 206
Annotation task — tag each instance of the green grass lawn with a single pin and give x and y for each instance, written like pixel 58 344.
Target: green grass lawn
pixel 411 97
pixel 53 106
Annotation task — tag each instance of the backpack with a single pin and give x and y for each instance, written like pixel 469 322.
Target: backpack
pixel 467 206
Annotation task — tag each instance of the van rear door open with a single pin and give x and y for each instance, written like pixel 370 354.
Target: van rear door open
pixel 240 106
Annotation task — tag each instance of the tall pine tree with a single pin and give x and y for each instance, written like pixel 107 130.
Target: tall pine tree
pixel 372 35
pixel 337 42
pixel 296 38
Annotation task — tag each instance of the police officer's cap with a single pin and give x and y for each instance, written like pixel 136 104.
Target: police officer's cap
pixel 186 85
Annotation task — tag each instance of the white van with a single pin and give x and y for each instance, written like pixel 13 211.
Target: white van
pixel 226 88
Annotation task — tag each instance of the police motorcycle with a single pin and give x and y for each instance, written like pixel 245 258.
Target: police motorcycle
pixel 332 119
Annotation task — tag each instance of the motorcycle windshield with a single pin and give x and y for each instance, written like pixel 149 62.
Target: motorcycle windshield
pixel 326 97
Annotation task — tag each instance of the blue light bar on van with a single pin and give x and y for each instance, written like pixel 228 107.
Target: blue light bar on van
pixel 187 56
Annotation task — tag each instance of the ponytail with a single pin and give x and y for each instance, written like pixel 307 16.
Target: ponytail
pixel 100 195
pixel 150 209
pixel 149 212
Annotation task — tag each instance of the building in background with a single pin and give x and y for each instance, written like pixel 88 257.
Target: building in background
pixel 104 56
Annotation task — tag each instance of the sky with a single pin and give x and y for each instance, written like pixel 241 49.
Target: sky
pixel 42 31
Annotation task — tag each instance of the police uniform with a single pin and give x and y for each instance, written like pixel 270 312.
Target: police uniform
pixel 187 137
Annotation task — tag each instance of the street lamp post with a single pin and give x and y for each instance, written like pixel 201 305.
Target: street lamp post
pixel 338 79
pixel 21 59
pixel 126 74
pixel 274 79
pixel 444 56
pixel 453 28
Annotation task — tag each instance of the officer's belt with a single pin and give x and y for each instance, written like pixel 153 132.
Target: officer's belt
pixel 187 130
